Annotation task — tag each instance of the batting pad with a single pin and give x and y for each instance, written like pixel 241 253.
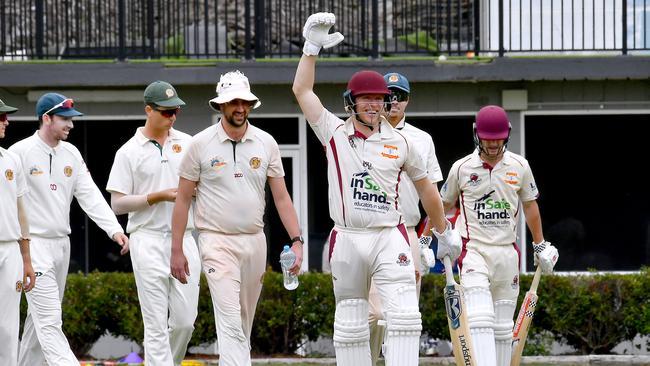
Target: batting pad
pixel 351 334
pixel 481 319
pixel 404 325
pixel 505 311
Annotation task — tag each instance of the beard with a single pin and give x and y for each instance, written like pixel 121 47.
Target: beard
pixel 234 122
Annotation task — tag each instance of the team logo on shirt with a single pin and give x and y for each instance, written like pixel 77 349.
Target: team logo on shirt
pixel 403 260
pixel 512 178
pixel 474 180
pixel 492 212
pixel 255 162
pixel 367 195
pixel 217 162
pixel 390 152
pixel 67 171
pixel 35 170
pixel 177 148
pixel 9 174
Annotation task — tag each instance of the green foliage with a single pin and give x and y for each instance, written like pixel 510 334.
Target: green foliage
pixel 421 39
pixel 591 313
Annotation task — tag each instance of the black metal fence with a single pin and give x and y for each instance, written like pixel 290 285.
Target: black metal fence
pixel 247 29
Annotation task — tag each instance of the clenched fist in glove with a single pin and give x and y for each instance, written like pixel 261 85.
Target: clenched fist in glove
pixel 449 243
pixel 316 33
pixel 427 258
pixel 546 256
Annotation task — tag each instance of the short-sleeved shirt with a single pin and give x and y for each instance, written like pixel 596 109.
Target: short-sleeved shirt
pixel 489 198
pixel 231 178
pixel 426 151
pixel 364 174
pixel 12 186
pixel 54 176
pixel 143 166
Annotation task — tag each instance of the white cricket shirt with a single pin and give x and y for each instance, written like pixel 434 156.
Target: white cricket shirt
pixel 141 167
pixel 12 186
pixel 364 174
pixel 426 152
pixel 489 199
pixel 231 178
pixel 54 176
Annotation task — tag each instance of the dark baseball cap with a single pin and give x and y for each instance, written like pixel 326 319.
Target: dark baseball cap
pixel 6 108
pixel 163 94
pixel 396 80
pixel 56 104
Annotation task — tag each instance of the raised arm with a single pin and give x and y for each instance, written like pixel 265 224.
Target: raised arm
pixel 316 33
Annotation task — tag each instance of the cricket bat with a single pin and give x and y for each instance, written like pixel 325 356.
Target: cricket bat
pixel 525 317
pixel 457 319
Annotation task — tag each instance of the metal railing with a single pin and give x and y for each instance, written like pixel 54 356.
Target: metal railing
pixel 248 29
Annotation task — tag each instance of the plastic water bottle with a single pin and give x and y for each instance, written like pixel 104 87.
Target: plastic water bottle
pixel 287 259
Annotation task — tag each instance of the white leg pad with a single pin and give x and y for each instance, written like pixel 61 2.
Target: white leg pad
pixel 351 334
pixel 481 319
pixel 505 311
pixel 404 325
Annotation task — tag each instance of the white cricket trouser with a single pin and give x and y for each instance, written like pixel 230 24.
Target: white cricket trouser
pixel 43 338
pixel 11 276
pixel 375 308
pixel 165 337
pixel 234 265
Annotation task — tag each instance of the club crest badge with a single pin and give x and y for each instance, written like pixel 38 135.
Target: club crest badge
pixel 255 162
pixel 9 174
pixel 67 171
pixel 403 260
pixel 169 93
pixel 177 148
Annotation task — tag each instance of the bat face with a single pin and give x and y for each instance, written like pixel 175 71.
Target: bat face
pixel 453 306
pixel 458 325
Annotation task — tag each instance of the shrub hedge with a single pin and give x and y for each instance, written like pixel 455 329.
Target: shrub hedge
pixel 592 313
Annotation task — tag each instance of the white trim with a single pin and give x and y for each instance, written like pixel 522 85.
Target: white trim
pixel 523 233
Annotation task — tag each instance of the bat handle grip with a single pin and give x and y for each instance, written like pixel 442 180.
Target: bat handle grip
pixel 449 271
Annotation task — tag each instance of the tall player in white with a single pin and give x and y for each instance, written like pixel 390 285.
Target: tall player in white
pixel 366 158
pixel 400 91
pixel 143 183
pixel 16 271
pixel 493 185
pixel 55 172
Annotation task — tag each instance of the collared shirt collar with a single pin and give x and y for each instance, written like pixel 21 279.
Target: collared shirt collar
pixel 401 124
pixel 44 146
pixel 477 162
pixel 385 129
pixel 223 136
pixel 142 139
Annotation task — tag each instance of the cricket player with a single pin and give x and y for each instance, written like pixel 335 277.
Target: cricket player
pixel 55 173
pixel 366 161
pixel 143 183
pixel 400 90
pixel 229 165
pixel 493 185
pixel 14 246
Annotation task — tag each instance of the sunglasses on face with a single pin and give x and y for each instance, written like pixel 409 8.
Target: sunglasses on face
pixel 398 96
pixel 3 117
pixel 66 103
pixel 168 113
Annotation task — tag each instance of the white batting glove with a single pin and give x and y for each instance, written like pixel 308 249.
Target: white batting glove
pixel 427 258
pixel 546 255
pixel 449 243
pixel 316 33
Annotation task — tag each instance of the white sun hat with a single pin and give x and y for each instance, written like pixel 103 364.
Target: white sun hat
pixel 233 85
